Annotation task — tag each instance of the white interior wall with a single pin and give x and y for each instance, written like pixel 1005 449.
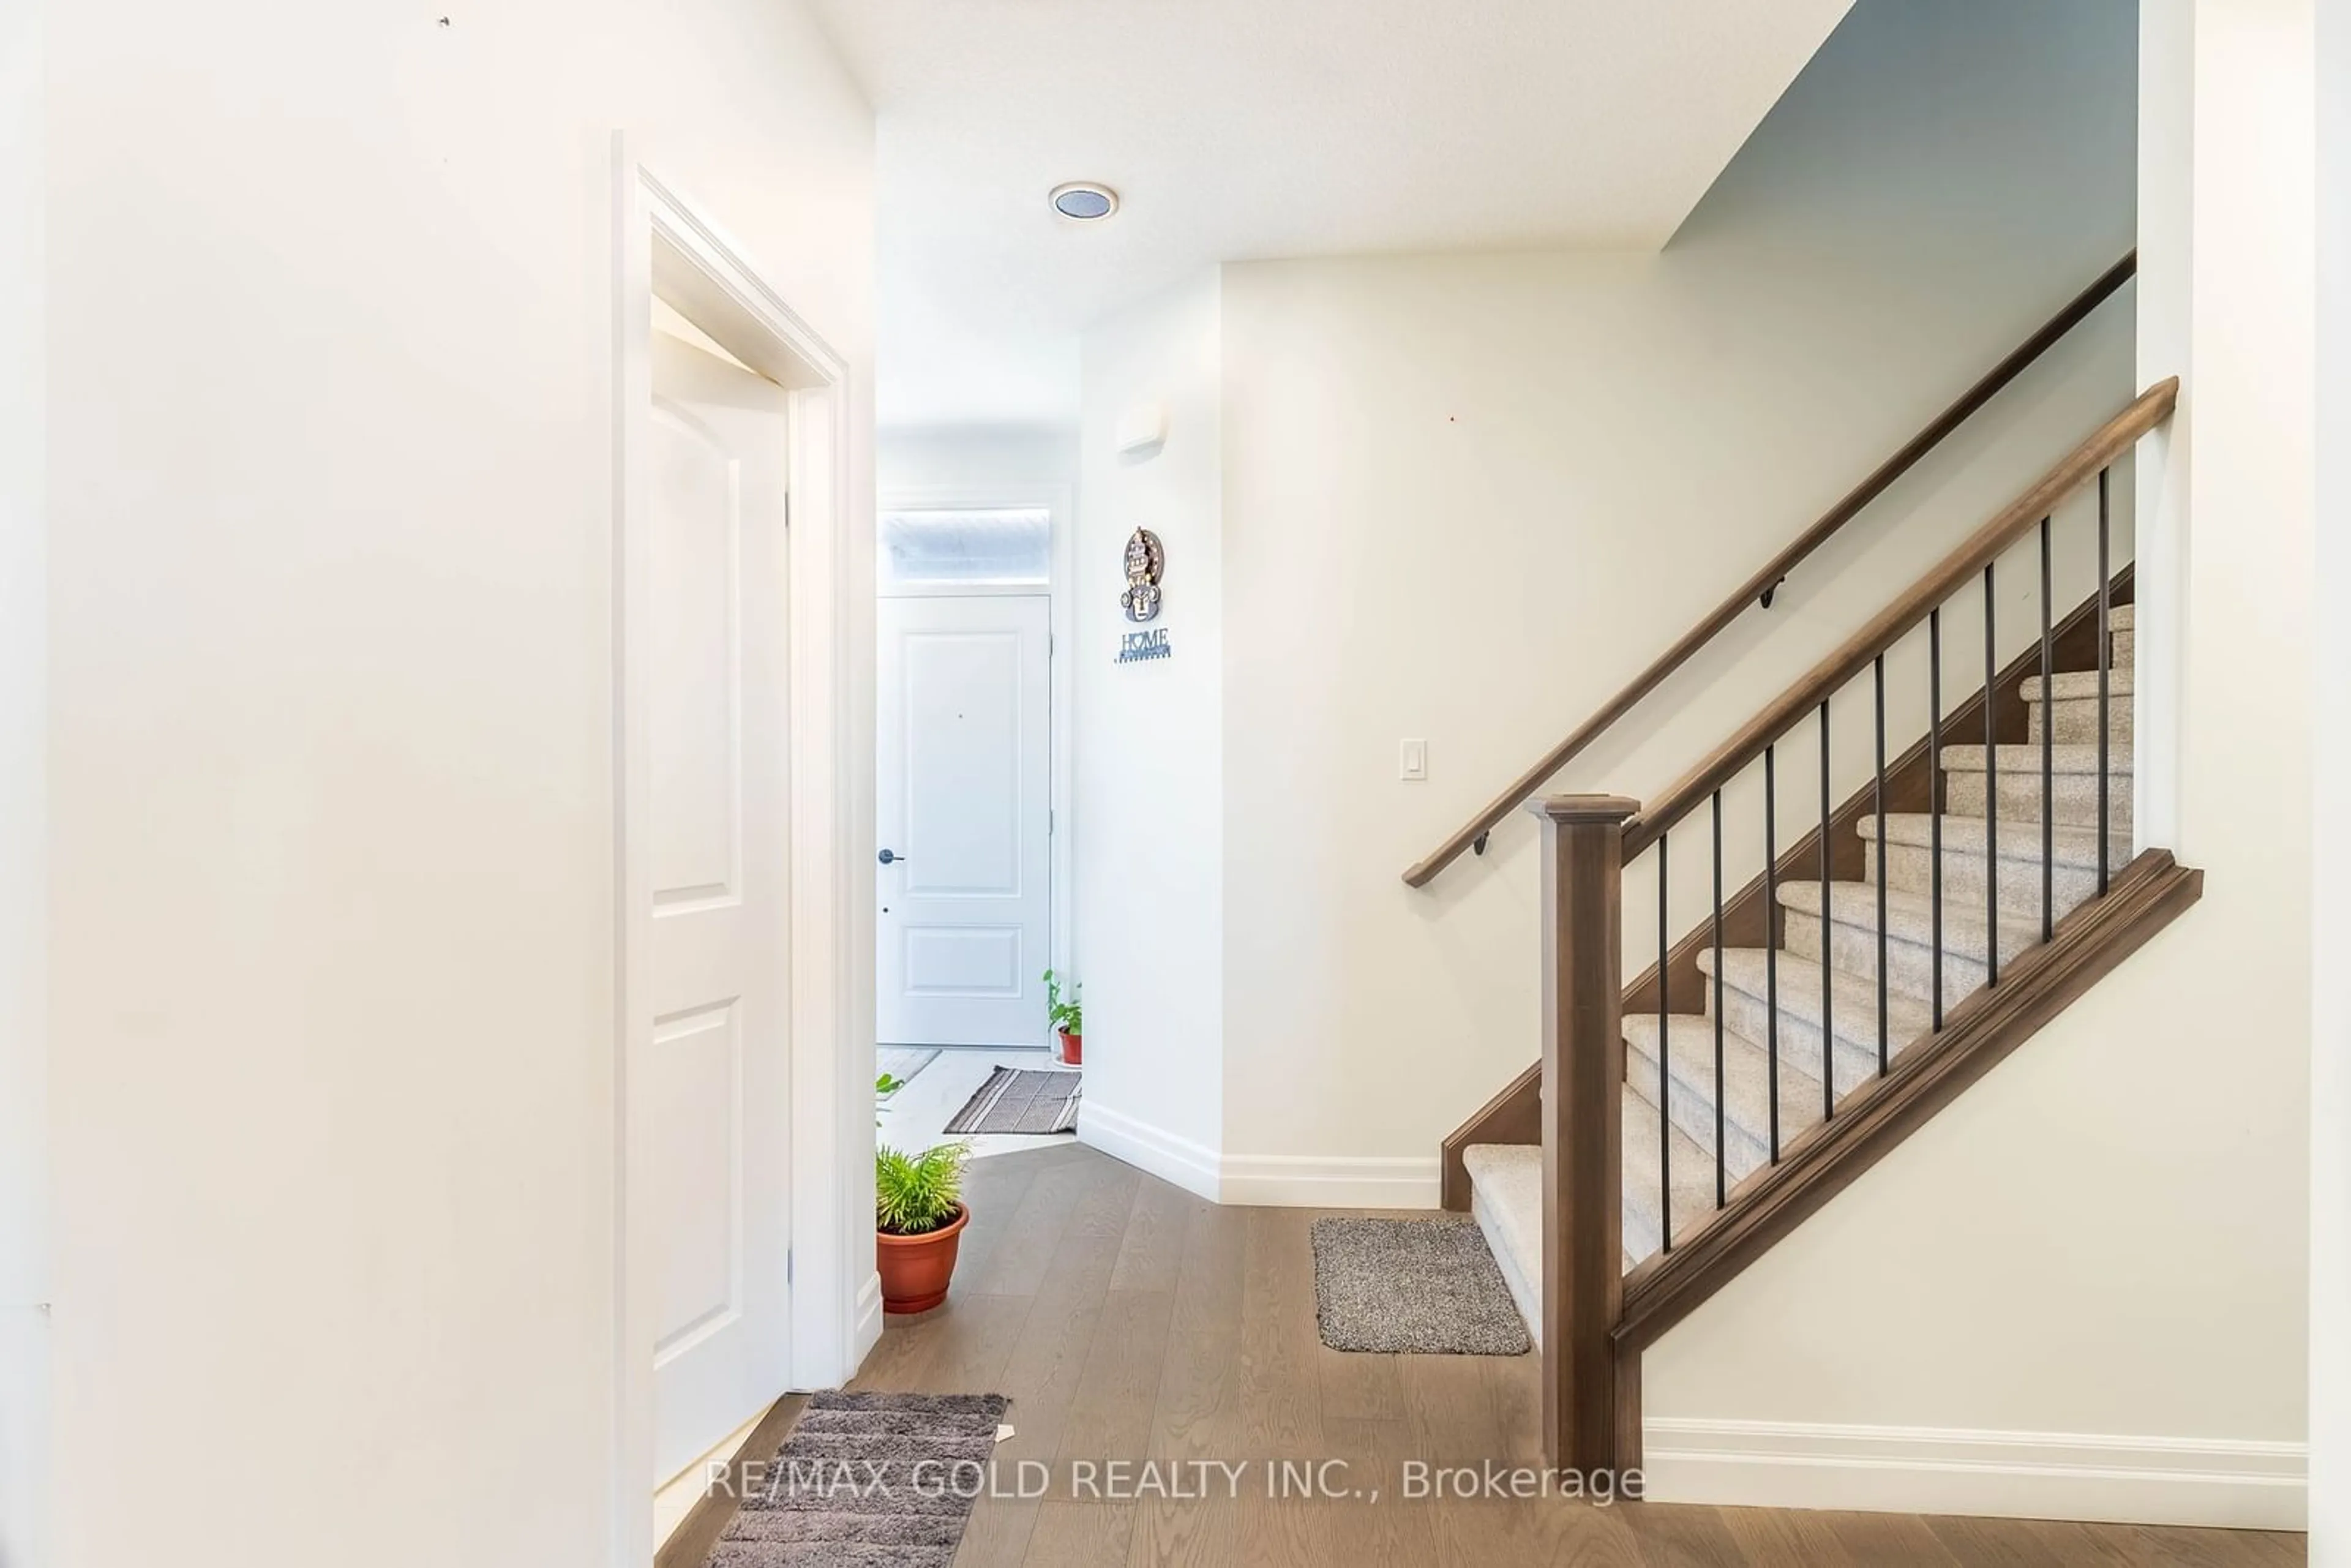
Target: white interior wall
pixel 329 455
pixel 24 836
pixel 2100 1248
pixel 1151 757
pixel 1468 497
pixel 2330 1068
pixel 983 458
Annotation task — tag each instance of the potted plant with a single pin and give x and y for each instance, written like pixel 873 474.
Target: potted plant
pixel 918 1219
pixel 1068 1018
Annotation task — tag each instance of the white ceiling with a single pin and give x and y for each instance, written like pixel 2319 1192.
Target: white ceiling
pixel 1240 129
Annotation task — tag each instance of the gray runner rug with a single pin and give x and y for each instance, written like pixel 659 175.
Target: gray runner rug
pixel 1018 1100
pixel 1428 1286
pixel 868 1481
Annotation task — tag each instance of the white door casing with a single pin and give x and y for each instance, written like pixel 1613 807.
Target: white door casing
pixel 714 1086
pixel 663 247
pixel 964 768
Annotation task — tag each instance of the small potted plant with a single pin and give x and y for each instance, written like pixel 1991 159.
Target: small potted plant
pixel 918 1219
pixel 1068 1018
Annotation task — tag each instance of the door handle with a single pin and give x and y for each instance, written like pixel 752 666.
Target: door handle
pixel 890 857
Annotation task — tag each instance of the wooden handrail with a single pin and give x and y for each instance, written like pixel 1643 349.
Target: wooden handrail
pixel 1758 588
pixel 1962 566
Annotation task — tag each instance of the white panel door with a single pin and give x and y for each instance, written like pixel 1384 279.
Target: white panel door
pixel 966 857
pixel 711 1092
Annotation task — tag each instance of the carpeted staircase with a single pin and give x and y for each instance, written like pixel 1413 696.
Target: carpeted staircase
pixel 1507 1179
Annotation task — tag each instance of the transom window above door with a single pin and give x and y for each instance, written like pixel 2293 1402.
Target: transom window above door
pixel 1000 547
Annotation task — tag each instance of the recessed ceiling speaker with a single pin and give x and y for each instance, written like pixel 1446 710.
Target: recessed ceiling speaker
pixel 1084 201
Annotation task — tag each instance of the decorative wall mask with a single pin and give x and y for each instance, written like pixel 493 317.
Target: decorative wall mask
pixel 1146 560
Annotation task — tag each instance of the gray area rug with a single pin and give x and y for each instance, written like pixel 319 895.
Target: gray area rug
pixel 1018 1100
pixel 868 1481
pixel 1420 1286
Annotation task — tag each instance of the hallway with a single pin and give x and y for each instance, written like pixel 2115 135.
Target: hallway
pixel 1128 1318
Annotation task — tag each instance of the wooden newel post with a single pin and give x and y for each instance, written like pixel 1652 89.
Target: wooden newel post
pixel 1584 1419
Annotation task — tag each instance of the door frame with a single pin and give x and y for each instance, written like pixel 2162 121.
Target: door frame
pixel 661 244
pixel 1060 613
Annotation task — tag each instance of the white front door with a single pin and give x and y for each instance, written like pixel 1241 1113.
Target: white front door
pixel 965 815
pixel 711 1092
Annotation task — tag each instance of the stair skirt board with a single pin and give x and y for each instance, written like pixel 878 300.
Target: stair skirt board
pixel 2219 1483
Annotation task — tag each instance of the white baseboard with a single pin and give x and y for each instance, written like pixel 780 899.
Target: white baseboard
pixel 1310 1181
pixel 2017 1475
pixel 1190 1165
pixel 1278 1181
pixel 867 1331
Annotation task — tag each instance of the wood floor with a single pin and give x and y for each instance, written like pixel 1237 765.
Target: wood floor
pixel 1128 1318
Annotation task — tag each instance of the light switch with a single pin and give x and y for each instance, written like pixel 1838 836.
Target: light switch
pixel 1411 761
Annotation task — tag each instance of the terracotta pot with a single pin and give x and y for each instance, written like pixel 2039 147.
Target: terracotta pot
pixel 1074 1048
pixel 916 1269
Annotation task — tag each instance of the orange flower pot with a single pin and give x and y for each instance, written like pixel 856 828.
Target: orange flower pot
pixel 1074 1048
pixel 916 1269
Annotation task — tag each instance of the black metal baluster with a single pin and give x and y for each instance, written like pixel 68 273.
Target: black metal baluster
pixel 1934 798
pixel 1664 1070
pixel 1828 983
pixel 1721 1156
pixel 1879 671
pixel 1771 946
pixel 1991 792
pixel 2105 651
pixel 2048 756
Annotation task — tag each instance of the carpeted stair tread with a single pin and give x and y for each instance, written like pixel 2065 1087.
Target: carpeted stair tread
pixel 1693 1175
pixel 2077 723
pixel 1746 1077
pixel 1506 1185
pixel 2066 758
pixel 2071 800
pixel 2076 685
pixel 1910 917
pixel 2072 847
pixel 1747 974
pixel 2022 885
pixel 1505 1199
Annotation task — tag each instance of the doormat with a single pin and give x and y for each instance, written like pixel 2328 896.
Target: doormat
pixel 1418 1286
pixel 1021 1099
pixel 867 1478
